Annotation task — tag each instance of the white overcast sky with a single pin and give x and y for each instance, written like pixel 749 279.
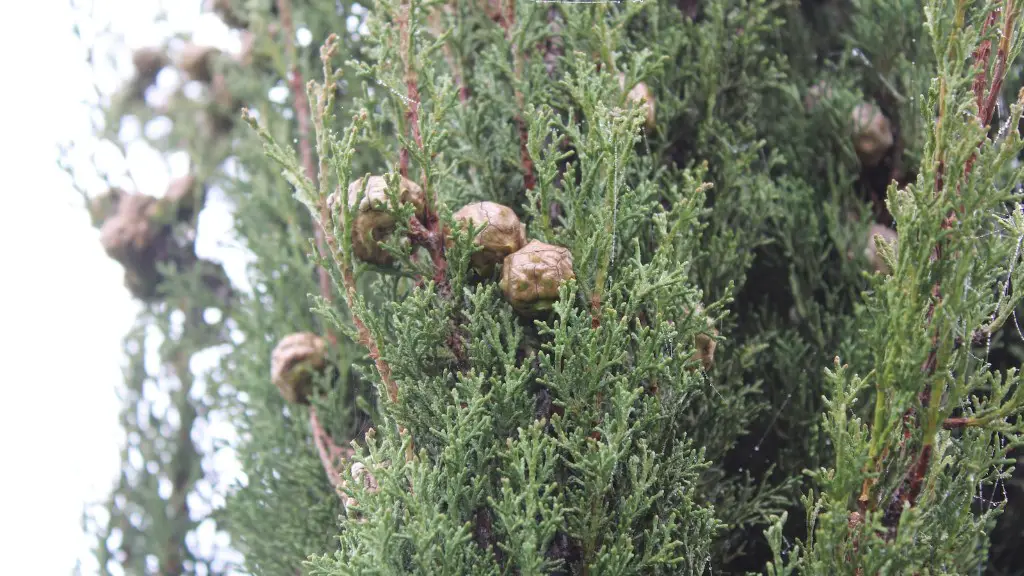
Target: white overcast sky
pixel 63 310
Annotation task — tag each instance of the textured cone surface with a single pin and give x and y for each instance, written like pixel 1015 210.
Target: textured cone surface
pixel 105 206
pixel 293 362
pixel 501 233
pixel 129 232
pixel 872 134
pixel 181 193
pixel 704 343
pixel 197 62
pixel 640 95
pixel 530 278
pixel 872 253
pixel 816 94
pixel 148 62
pixel 373 223
pixel 229 14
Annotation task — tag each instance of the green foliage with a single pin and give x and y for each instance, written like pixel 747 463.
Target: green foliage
pixel 463 437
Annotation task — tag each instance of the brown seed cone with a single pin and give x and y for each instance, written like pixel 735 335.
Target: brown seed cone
pixel 641 95
pixel 229 13
pixel 148 62
pixel 293 362
pixel 138 232
pixel 530 277
pixel 182 194
pixel 225 107
pixel 362 474
pixel 104 207
pixel 436 19
pixel 129 232
pixel 872 134
pixel 816 94
pixel 373 223
pixel 705 343
pixel 501 234
pixel 197 62
pixel 871 251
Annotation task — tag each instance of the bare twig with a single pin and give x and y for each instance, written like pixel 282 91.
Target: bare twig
pixel 330 453
pixel 955 423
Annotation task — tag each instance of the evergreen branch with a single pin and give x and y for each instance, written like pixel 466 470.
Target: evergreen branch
pixel 909 489
pixel 876 453
pixel 411 86
pixel 342 258
pixel 182 480
pixel 429 234
pixel 507 20
pixel 302 112
pixel 319 202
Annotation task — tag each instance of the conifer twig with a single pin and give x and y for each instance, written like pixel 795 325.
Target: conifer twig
pixel 453 64
pixel 302 111
pixel 343 260
pixel 429 233
pixel 986 95
pixel 954 423
pixel 507 19
pixel 302 115
pixel 411 85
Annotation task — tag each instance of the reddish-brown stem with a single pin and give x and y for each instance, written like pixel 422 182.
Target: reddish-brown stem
pixel 981 58
pixel 429 237
pixel 1009 19
pixel 429 233
pixel 363 333
pixel 329 452
pixel 954 423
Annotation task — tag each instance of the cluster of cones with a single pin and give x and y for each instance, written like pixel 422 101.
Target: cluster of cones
pixel 531 271
pixel 142 233
pixel 873 139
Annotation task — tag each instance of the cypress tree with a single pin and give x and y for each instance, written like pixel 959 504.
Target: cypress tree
pixel 691 287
